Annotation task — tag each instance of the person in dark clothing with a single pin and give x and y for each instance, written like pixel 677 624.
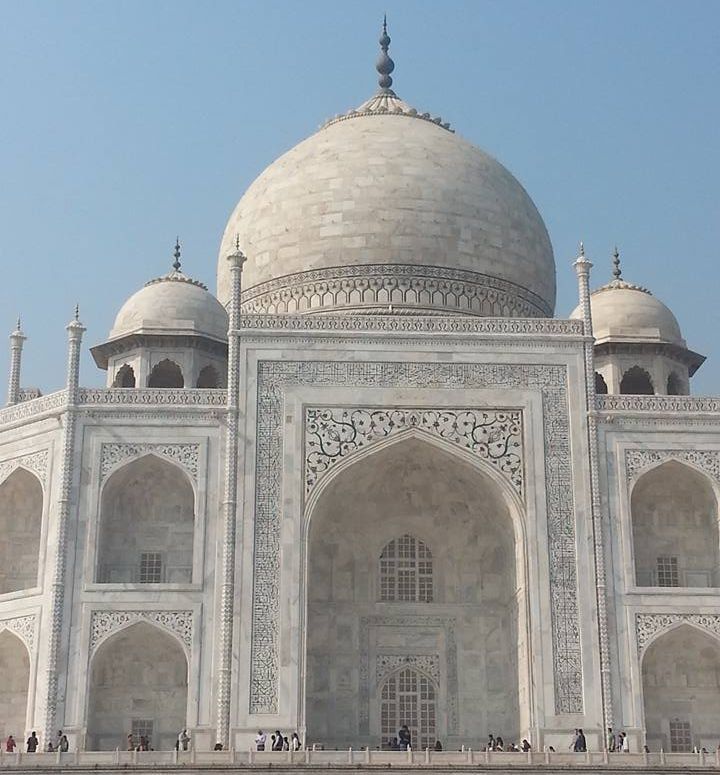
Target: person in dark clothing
pixel 404 737
pixel 580 743
pixel 438 746
pixel 32 743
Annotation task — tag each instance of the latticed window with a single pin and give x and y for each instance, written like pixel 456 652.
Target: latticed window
pixel 667 572
pixel 406 571
pixel 680 736
pixel 142 727
pixel 150 568
pixel 408 698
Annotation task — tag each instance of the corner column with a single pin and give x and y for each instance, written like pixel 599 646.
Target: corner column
pixel 17 339
pixel 227 592
pixel 582 270
pixel 75 331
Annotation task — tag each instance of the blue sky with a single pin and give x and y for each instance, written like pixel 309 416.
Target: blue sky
pixel 126 123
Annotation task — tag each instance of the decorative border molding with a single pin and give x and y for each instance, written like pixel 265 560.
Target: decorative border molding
pixel 408 288
pixel 176 397
pixel 386 664
pixel 37 462
pixel 649 625
pixel 187 456
pixel 493 435
pixel 413 324
pixel 23 626
pixel 274 377
pixel 33 407
pixel 657 404
pixel 104 623
pixel 445 623
pixel 636 460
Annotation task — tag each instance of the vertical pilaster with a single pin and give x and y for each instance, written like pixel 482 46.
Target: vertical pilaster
pixel 227 592
pixel 17 339
pixel 75 331
pixel 582 269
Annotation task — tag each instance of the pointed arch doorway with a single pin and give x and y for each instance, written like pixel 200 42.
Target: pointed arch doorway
pixel 414 555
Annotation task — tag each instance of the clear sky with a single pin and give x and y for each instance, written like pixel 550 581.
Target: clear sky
pixel 126 123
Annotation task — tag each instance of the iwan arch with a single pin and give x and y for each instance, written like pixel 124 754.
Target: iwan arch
pixel 374 481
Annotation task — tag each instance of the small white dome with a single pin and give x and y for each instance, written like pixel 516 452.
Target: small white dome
pixel 173 304
pixel 623 312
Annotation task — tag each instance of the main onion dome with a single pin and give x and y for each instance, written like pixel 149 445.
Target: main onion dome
pixel 385 209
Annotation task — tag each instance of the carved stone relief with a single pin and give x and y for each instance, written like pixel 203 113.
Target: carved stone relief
pixel 333 433
pixel 274 377
pixel 185 455
pixel 104 623
pixel 36 462
pixel 649 625
pixel 386 664
pixel 24 626
pixel 638 459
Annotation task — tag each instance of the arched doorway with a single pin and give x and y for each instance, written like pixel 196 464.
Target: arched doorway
pixel 166 374
pixel 14 681
pixel 636 381
pixel 21 504
pixel 411 566
pixel 681 690
pixel 675 528
pixel 146 524
pixel 138 684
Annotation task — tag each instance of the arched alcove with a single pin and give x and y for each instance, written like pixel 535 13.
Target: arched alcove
pixel 125 377
pixel 675 528
pixel 601 387
pixel 208 377
pixel 637 382
pixel 146 524
pixel 408 697
pixel 166 374
pixel 413 489
pixel 138 680
pixel 681 690
pixel 14 680
pixel 21 505
pixel 674 385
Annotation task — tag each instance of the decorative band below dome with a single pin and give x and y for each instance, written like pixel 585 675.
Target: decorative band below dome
pixel 374 288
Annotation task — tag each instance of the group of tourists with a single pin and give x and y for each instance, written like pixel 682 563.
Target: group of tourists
pixel 618 742
pixel 278 742
pixel 498 744
pixel 61 743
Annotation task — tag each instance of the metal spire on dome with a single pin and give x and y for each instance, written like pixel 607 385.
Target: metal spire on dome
pixel 384 65
pixel 617 272
pixel 176 263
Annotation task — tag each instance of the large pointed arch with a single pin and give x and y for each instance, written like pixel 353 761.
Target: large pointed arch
pixel 470 516
pixel 146 523
pixel 21 510
pixel 138 678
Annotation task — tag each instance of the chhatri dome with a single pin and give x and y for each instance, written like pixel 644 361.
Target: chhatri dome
pixel 385 208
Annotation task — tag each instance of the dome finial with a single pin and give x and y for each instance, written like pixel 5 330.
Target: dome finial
pixel 617 272
pixel 384 65
pixel 176 263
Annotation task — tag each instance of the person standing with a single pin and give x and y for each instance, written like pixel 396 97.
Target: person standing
pixel 580 742
pixel 626 743
pixel 260 740
pixel 10 744
pixel 611 741
pixel 32 743
pixel 295 742
pixel 63 743
pixel 183 740
pixel 277 741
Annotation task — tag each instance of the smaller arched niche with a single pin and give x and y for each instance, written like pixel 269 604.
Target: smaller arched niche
pixel 166 374
pixel 601 387
pixel 208 378
pixel 408 697
pixel 636 382
pixel 14 681
pixel 138 685
pixel 146 524
pixel 675 528
pixel 125 377
pixel 681 690
pixel 21 505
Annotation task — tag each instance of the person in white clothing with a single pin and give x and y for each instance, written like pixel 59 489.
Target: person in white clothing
pixel 260 740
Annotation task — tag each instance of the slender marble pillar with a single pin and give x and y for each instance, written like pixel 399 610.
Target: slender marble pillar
pixel 17 339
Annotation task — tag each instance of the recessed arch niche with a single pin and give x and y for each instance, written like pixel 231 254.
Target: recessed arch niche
pixel 461 513
pixel 14 682
pixel 21 505
pixel 675 528
pixel 138 677
pixel 681 689
pixel 146 524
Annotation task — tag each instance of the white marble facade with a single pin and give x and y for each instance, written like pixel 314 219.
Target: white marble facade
pixel 396 501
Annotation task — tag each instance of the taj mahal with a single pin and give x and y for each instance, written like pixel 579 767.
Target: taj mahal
pixel 374 480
